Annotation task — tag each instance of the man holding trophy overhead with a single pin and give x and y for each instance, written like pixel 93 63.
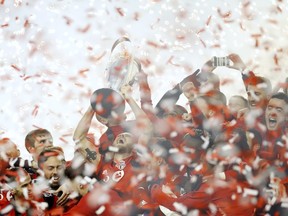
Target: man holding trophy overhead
pixel 107 104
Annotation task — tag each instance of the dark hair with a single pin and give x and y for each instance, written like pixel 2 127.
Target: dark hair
pixel 30 137
pixel 50 152
pixel 281 96
pixel 106 102
pixel 179 110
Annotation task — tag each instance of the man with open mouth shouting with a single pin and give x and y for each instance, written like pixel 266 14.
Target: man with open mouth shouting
pixel 275 118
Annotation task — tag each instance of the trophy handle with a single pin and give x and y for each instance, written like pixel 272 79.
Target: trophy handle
pixel 118 41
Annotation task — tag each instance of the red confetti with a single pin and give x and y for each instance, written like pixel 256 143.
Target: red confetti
pixel 4 25
pixel 241 26
pixel 228 21
pixel 276 59
pixel 15 67
pixel 50 73
pixel 136 16
pixel 68 20
pixel 85 29
pixel 79 84
pixel 203 43
pixel 35 110
pixel 172 63
pixel 272 21
pixel 201 30
pixel 155 45
pixel 219 27
pixel 6 77
pixel 279 9
pixel 97 58
pixel 63 140
pixel 180 37
pixel 26 24
pixel 256 43
pixel 67 135
pixel 256 35
pixel 28 77
pixel 224 15
pixel 145 62
pixel 120 11
pixel 46 81
pixel 245 5
pixel 216 46
pixel 182 14
pixel 226 81
pixel 83 72
pixel 208 20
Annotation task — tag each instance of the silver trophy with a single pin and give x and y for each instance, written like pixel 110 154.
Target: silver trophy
pixel 122 67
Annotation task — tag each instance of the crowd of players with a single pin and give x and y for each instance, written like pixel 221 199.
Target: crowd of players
pixel 217 158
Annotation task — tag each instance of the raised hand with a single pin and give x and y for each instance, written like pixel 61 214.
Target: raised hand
pixel 126 91
pixel 238 64
pixel 208 66
pixel 64 190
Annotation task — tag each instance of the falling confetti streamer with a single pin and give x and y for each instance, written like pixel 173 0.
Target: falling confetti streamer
pixel 35 110
pixel 120 11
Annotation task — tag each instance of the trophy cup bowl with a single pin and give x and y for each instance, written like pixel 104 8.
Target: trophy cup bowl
pixel 107 102
pixel 123 67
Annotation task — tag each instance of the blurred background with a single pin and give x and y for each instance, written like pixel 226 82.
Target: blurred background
pixel 54 53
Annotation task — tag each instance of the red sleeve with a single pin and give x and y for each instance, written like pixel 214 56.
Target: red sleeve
pixel 145 92
pixel 193 200
pixel 91 203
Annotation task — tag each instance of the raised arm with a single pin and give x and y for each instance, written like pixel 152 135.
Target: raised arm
pixel 145 92
pixel 171 97
pixel 238 64
pixel 142 120
pixel 83 126
pixel 83 145
pixel 208 66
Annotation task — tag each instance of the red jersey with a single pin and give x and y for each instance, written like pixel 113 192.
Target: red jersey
pixel 121 175
pixel 101 201
pixel 210 199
